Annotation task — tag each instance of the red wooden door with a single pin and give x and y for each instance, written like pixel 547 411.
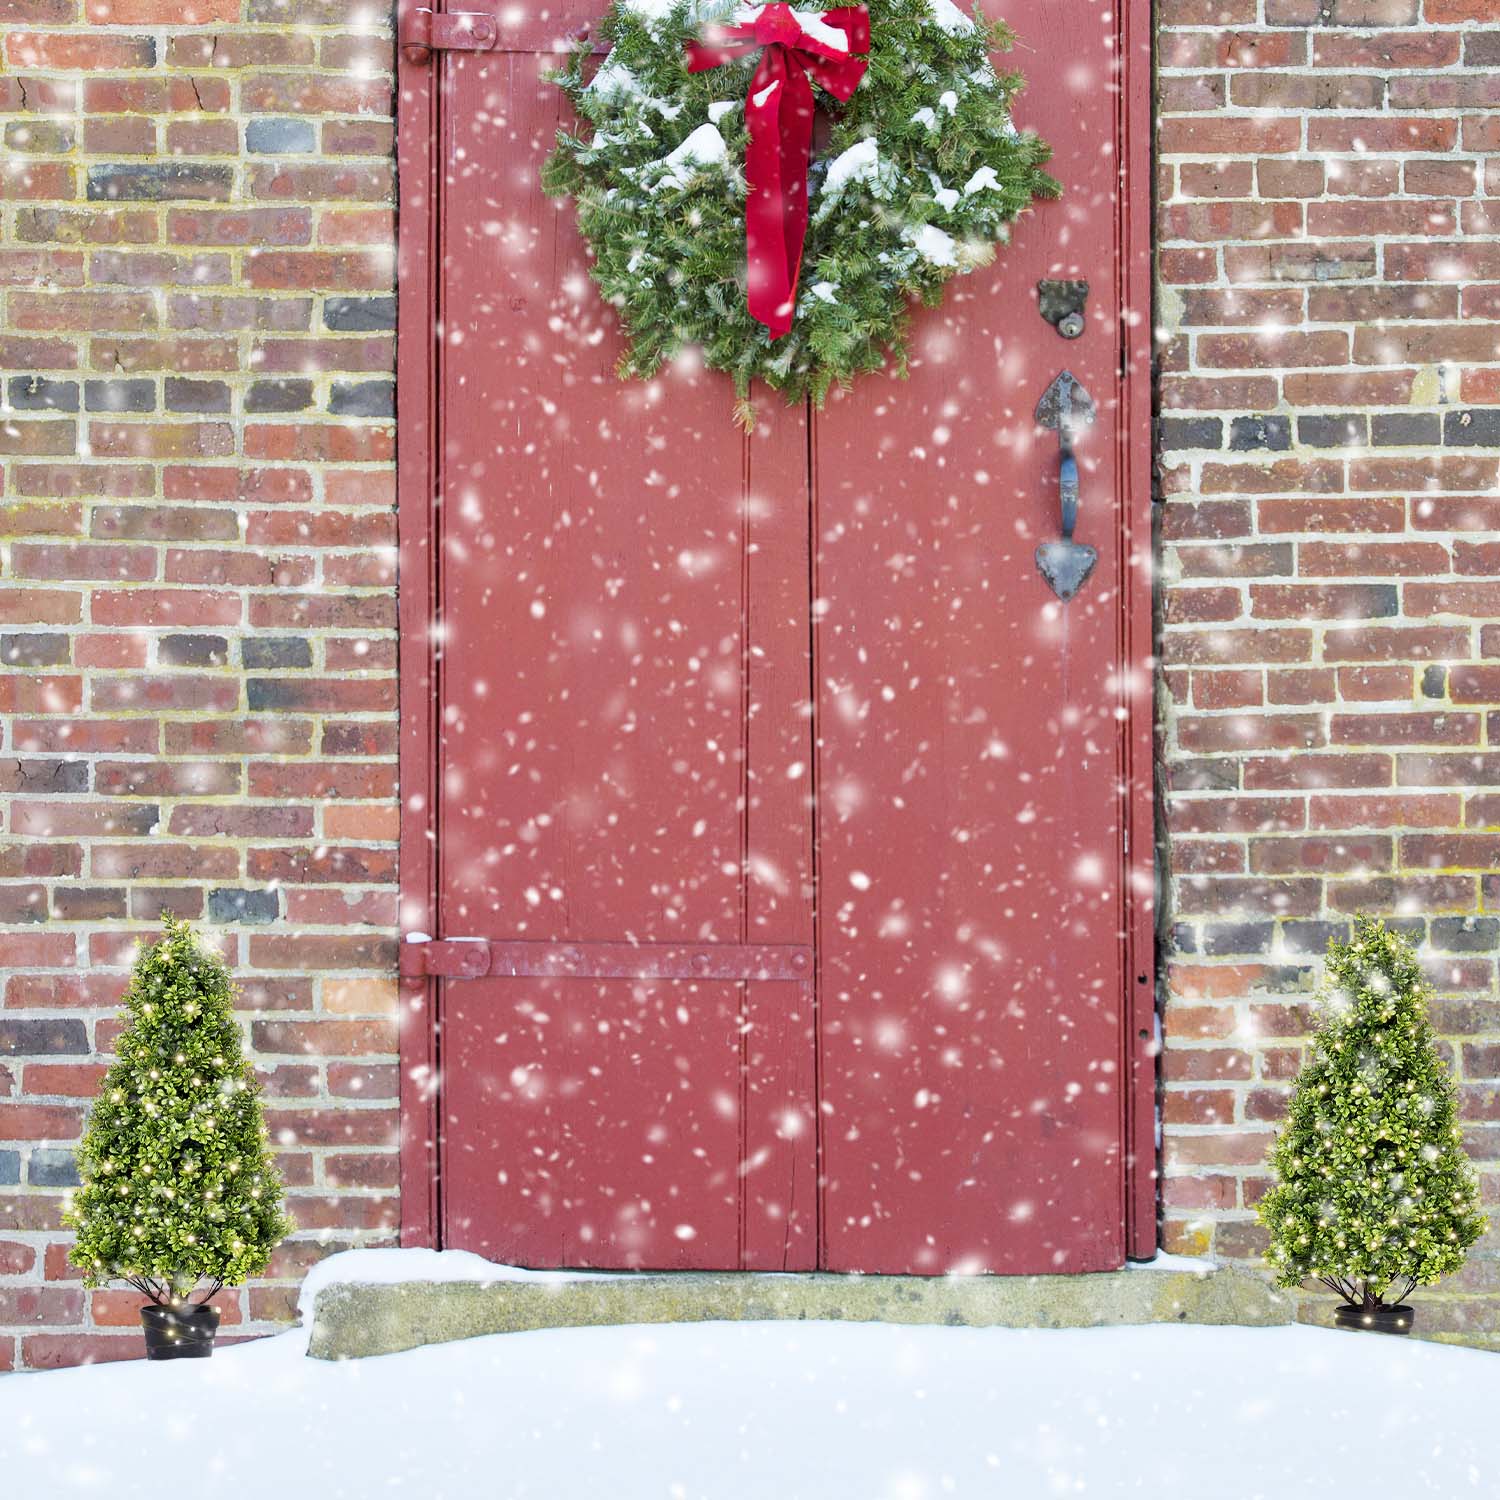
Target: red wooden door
pixel 779 800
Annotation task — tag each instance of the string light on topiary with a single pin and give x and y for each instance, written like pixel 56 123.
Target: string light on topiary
pixel 172 1127
pixel 1374 1194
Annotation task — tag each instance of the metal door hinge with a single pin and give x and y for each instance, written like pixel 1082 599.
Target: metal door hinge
pixel 478 958
pixel 424 32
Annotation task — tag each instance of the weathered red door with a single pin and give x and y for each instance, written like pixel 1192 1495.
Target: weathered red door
pixel 785 804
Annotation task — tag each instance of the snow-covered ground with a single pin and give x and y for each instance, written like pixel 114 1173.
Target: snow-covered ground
pixel 772 1411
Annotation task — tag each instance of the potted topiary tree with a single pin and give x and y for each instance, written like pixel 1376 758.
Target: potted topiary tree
pixel 179 1194
pixel 1374 1195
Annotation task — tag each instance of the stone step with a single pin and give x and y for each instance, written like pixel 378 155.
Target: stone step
pixel 353 1319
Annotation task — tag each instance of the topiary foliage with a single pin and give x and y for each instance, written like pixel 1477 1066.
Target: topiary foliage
pixel 1373 1189
pixel 920 175
pixel 178 1183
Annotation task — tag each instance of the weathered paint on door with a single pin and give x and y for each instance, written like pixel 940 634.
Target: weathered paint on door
pixel 764 711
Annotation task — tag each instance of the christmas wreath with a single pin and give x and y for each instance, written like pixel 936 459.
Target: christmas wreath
pixel 701 145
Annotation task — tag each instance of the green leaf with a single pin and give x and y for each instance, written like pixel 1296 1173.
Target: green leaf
pixel 1373 1189
pixel 178 1179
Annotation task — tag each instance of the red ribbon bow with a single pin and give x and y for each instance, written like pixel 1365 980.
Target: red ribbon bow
pixel 779 114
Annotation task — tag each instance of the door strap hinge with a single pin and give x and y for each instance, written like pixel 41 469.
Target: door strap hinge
pixel 424 32
pixel 478 958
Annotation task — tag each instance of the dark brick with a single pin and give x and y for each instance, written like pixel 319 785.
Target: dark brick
pixel 1184 938
pixel 1414 929
pixel 160 182
pixel 10 1168
pixel 82 903
pixel 279 395
pixel 1466 934
pixel 280 137
pixel 243 906
pixel 267 654
pixel 40 778
pixel 52 1168
pixel 39 137
pixel 196 395
pixel 37 393
pixel 1434 681
pixel 271 694
pixel 1205 775
pixel 1249 434
pixel 18 1038
pixel 119 395
pixel 22 903
pixel 1220 938
pixel 1472 429
pixel 1405 429
pixel 1313 937
pixel 1348 430
pixel 1482 49
pixel 34 650
pixel 378 314
pixel 193 651
pixel 362 398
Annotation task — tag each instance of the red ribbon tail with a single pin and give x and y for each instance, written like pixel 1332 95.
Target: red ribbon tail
pixel 779 115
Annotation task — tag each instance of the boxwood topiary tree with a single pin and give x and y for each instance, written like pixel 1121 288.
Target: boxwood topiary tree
pixel 1373 1189
pixel 179 1190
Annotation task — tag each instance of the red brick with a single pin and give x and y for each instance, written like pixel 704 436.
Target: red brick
pixel 1354 853
pixel 162 12
pixel 21 1121
pixel 1316 771
pixel 1405 729
pixel 1198 1106
pixel 16 1258
pixel 1250 732
pixel 1372 559
pixel 55 1351
pixel 1467 599
pixel 1218 1148
pixel 1233 647
pixel 1374 134
pixel 1205 136
pixel 1385 49
pixel 1272 348
pixel 1375 684
pixel 1365 388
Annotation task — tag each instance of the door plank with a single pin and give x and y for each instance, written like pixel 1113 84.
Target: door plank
pixel 616 661
pixel 969 765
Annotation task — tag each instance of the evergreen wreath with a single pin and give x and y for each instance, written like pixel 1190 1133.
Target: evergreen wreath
pixel 919 179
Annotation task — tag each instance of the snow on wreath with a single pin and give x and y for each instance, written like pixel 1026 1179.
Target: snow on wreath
pixel 697 131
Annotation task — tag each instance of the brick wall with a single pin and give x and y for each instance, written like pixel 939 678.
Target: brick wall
pixel 197 653
pixel 1329 277
pixel 196 611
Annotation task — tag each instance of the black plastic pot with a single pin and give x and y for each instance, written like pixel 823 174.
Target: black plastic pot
pixel 1381 1319
pixel 185 1332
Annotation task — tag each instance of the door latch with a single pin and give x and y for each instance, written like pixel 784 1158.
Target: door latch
pixel 1066 564
pixel 1062 304
pixel 424 32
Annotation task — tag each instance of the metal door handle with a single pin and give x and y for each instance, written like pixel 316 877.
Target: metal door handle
pixel 1066 564
pixel 1067 482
